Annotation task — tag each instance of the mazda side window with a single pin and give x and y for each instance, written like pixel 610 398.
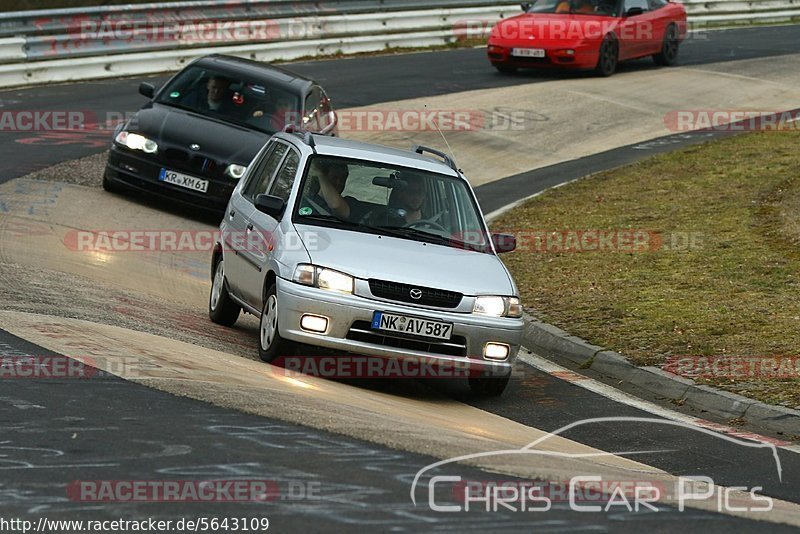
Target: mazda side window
pixel 282 186
pixel 262 177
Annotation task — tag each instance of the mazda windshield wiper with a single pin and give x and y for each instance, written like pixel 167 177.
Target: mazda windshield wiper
pixel 406 231
pixel 329 218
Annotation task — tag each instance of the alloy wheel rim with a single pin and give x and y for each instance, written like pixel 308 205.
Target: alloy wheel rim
pixel 269 322
pixel 216 287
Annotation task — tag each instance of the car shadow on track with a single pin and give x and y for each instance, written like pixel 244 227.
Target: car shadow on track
pixel 186 211
pixel 557 74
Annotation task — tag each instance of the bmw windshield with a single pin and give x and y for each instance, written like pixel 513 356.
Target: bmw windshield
pixel 378 198
pixel 219 96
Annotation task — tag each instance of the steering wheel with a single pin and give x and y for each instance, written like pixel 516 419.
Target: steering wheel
pixel 427 223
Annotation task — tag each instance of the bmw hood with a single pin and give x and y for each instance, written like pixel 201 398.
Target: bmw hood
pixel 394 259
pixel 171 127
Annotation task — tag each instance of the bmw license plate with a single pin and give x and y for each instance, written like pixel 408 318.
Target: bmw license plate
pixel 528 52
pixel 183 180
pixel 411 325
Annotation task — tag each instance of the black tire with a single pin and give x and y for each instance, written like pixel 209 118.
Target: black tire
pixel 221 308
pixel 270 343
pixel 506 69
pixel 488 386
pixel 609 57
pixel 110 186
pixel 669 48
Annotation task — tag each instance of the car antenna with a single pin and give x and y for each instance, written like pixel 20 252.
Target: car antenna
pixel 445 140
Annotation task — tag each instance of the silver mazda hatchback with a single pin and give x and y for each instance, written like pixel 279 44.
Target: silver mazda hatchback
pixel 367 250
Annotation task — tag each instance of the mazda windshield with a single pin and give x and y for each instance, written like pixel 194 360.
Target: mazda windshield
pixel 394 201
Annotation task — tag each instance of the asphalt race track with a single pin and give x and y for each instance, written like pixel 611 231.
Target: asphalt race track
pixel 59 431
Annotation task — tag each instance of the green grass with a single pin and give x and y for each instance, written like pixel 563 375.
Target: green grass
pixel 735 293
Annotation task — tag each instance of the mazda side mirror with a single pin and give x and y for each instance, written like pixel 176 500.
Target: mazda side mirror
pixel 272 206
pixel 504 243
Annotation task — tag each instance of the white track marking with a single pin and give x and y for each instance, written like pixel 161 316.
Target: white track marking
pixel 595 386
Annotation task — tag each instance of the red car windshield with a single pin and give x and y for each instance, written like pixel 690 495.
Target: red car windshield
pixel 609 8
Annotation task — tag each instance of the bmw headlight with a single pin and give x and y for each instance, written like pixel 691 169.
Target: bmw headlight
pixel 136 142
pixel 235 171
pixel 311 275
pixel 498 306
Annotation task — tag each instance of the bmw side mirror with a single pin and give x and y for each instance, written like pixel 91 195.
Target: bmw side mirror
pixel 504 243
pixel 272 206
pixel 634 11
pixel 147 89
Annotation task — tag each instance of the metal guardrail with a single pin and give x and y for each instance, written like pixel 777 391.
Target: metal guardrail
pixel 66 33
pixel 71 44
pixel 106 41
pixel 702 12
pixel 27 23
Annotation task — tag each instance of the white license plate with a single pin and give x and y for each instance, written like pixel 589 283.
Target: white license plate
pixel 390 322
pixel 183 180
pixel 528 52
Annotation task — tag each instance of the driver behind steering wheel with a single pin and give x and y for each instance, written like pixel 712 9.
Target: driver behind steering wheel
pixel 407 201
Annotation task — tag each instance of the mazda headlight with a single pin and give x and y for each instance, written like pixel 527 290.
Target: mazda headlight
pixel 136 142
pixel 311 275
pixel 235 171
pixel 498 306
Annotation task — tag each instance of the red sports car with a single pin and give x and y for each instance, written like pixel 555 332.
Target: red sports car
pixel 588 34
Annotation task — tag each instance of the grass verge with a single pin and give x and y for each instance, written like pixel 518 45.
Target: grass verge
pixel 720 274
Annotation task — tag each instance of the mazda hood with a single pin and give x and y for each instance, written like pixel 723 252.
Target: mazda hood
pixel 405 261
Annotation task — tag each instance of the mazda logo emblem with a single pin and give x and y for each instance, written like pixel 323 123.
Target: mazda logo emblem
pixel 416 294
pixel 194 146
